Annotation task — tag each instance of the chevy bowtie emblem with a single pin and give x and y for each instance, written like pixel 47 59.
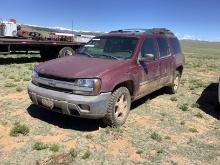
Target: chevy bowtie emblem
pixel 52 83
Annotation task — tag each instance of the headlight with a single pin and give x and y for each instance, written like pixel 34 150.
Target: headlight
pixel 34 76
pixel 87 86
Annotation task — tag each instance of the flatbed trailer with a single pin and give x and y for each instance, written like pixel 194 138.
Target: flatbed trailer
pixel 48 49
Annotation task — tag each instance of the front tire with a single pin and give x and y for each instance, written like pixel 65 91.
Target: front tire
pixel 118 107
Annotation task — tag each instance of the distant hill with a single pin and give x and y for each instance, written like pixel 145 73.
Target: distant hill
pixel 192 42
pixel 46 30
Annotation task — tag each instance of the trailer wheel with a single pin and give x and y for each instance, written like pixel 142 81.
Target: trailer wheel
pixel 66 51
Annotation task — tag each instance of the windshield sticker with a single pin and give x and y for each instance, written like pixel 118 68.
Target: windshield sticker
pixel 90 46
pixel 96 39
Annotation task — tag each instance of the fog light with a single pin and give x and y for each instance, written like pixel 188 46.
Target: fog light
pixel 84 107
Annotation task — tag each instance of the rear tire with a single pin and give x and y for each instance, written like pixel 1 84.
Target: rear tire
pixel 118 107
pixel 173 88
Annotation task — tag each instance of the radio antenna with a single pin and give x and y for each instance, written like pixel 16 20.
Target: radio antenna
pixel 72 29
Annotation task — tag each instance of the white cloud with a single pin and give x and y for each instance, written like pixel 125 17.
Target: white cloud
pixel 190 37
pixel 58 28
pixel 178 34
pixel 187 37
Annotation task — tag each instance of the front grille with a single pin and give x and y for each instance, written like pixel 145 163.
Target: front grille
pixel 55 88
pixel 56 77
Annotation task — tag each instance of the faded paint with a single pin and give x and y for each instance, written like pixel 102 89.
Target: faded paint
pixel 146 76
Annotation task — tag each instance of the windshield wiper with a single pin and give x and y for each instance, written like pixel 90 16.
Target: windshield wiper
pixel 87 54
pixel 109 56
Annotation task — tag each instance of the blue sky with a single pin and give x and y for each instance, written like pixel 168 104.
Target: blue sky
pixel 188 18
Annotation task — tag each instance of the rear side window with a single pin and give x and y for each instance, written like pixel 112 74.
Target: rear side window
pixel 163 47
pixel 148 48
pixel 176 46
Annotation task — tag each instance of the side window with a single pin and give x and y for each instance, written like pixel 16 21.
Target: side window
pixel 163 47
pixel 148 47
pixel 176 46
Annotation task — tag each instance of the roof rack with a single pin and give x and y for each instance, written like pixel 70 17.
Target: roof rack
pixel 161 31
pixel 151 31
pixel 129 30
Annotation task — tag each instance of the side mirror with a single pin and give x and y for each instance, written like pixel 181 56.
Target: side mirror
pixel 147 57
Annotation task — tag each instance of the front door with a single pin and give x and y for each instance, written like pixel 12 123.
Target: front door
pixel 149 67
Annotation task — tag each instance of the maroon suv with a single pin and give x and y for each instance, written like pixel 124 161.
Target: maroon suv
pixel 108 73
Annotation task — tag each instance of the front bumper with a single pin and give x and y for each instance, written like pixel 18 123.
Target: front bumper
pixel 71 104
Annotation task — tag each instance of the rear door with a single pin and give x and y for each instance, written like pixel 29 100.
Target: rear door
pixel 166 61
pixel 176 50
pixel 149 67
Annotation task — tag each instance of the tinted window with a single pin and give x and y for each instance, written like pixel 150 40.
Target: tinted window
pixel 148 48
pixel 163 47
pixel 176 46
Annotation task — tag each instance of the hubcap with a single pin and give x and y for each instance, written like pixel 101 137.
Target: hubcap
pixel 121 106
pixel 176 83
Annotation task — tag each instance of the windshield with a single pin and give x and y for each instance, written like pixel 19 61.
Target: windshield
pixel 110 47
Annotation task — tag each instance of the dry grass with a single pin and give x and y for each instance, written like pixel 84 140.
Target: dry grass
pixel 161 129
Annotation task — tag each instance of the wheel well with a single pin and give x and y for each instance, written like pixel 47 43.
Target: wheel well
pixel 128 84
pixel 180 69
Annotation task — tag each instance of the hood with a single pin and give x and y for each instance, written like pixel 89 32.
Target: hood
pixel 78 67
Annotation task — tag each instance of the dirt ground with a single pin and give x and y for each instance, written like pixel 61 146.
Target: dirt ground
pixel 161 129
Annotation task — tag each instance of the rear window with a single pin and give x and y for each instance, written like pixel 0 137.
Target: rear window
pixel 176 46
pixel 163 47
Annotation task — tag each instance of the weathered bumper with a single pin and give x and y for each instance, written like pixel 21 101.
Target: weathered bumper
pixel 71 104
